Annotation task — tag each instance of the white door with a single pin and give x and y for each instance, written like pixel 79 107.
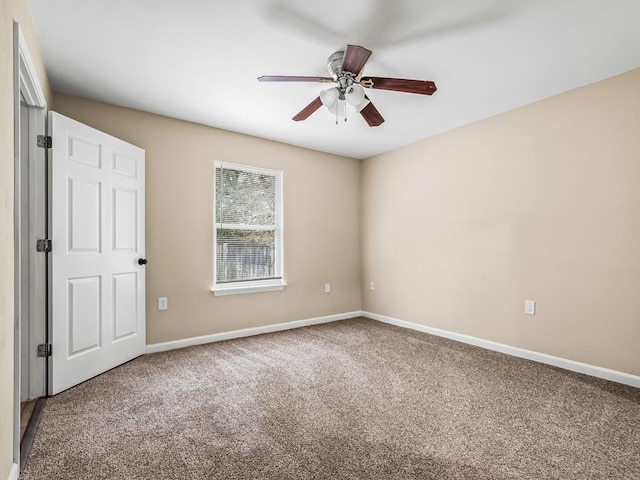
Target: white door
pixel 98 286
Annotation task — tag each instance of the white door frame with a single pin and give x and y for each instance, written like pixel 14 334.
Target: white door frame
pixel 27 85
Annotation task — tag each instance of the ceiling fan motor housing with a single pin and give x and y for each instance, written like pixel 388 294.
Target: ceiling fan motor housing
pixel 344 79
pixel 334 63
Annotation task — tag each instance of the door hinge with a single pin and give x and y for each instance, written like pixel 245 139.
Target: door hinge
pixel 44 350
pixel 45 141
pixel 43 245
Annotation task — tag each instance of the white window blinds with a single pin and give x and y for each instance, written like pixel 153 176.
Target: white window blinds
pixel 247 224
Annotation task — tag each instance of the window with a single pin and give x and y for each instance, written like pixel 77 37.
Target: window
pixel 248 230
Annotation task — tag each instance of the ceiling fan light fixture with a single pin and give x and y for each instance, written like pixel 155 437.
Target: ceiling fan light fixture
pixel 354 94
pixel 330 97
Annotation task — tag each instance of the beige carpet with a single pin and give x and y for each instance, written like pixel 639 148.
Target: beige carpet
pixel 355 399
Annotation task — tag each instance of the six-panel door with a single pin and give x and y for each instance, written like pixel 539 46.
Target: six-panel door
pixel 98 287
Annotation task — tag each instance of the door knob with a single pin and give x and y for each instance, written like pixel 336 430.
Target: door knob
pixel 142 261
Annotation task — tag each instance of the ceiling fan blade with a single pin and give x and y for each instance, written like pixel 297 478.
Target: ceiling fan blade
pixel 371 115
pixel 355 57
pixel 421 87
pixel 293 78
pixel 308 110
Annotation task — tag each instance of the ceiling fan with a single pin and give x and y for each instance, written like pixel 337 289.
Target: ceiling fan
pixel 346 66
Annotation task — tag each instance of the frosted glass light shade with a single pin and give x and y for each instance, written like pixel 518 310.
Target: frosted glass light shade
pixel 354 94
pixel 329 97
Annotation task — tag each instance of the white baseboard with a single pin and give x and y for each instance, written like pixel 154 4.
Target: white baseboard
pixel 605 373
pixel 594 371
pixel 247 332
pixel 14 472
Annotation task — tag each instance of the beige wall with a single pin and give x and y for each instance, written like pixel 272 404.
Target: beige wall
pixel 10 11
pixel 539 203
pixel 321 223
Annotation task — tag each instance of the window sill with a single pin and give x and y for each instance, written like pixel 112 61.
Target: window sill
pixel 240 289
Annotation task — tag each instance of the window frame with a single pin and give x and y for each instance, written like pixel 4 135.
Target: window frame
pixel 252 286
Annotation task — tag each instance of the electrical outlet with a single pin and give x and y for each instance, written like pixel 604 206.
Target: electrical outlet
pixel 327 288
pixel 529 307
pixel 373 286
pixel 163 303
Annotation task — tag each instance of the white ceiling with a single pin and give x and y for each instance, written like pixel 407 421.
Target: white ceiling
pixel 198 60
